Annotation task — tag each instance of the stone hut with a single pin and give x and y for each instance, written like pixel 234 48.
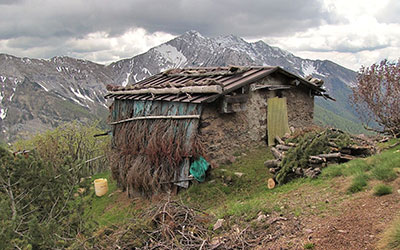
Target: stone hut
pixel 162 124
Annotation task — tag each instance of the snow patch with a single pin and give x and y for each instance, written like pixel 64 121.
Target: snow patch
pixel 26 60
pixel 146 71
pixel 59 69
pixel 3 113
pixel 11 97
pixel 75 100
pixel 1 96
pixel 95 95
pixel 3 78
pixel 78 94
pixel 125 82
pixel 43 87
pixel 135 78
pixel 172 55
pixel 308 68
pixel 320 74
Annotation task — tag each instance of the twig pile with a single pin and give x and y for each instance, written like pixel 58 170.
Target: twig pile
pixel 167 225
pixel 305 156
pixel 170 224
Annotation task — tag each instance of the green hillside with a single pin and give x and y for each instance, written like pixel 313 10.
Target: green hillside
pixel 324 117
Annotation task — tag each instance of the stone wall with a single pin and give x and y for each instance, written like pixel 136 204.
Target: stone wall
pixel 300 107
pixel 228 135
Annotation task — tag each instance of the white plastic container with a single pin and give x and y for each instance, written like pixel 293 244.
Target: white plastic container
pixel 100 186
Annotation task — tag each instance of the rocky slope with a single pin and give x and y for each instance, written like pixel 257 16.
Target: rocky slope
pixel 37 94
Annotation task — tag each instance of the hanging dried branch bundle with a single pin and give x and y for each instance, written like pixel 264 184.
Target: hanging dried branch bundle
pixel 146 155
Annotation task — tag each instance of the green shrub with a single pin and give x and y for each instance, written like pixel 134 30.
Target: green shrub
pixel 332 171
pixel 72 140
pixel 38 206
pixel 358 184
pixel 382 189
pixel 356 167
pixel 309 246
pixel 384 173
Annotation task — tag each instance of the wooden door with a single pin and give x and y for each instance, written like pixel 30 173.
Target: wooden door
pixel 277 119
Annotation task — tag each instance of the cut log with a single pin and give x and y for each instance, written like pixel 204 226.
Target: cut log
pixel 283 147
pixel 273 170
pixel 276 153
pixel 271 183
pixel 345 151
pixel 359 150
pixel 279 140
pixel 345 158
pixel 332 144
pixel 271 163
pixel 291 144
pixel 316 160
pixel 392 146
pixel 330 156
pixel 217 89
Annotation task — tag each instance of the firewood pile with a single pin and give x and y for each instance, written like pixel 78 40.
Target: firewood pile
pixel 305 155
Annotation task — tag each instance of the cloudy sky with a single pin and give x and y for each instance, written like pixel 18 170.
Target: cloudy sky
pixel 349 32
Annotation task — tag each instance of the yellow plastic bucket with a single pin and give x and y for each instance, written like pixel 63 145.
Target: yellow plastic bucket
pixel 100 186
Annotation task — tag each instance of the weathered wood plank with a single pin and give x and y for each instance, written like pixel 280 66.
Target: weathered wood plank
pixel 157 117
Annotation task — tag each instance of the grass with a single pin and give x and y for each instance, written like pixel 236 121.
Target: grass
pixel 358 183
pixel 382 189
pixel 391 237
pixel 384 173
pixel 241 199
pixel 309 246
pixel 383 167
pixel 106 210
pixel 226 195
pixel 332 171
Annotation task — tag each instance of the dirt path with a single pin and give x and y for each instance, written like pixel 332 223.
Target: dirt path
pixel 356 222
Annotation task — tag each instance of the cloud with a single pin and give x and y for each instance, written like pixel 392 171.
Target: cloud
pixel 74 18
pixel 360 39
pixel 106 31
pixel 390 14
pixel 102 30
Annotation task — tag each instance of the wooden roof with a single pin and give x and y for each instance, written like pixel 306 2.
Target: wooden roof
pixel 201 84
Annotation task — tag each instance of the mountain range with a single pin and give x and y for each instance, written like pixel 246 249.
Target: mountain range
pixel 40 94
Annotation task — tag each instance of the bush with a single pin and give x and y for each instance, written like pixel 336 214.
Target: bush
pixel 356 167
pixel 332 171
pixel 358 184
pixel 382 189
pixel 384 173
pixel 37 203
pixel 309 246
pixel 375 96
pixel 74 141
